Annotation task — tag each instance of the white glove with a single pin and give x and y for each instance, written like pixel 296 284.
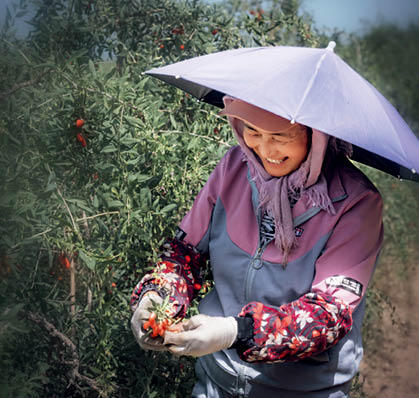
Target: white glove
pixel 202 335
pixel 140 316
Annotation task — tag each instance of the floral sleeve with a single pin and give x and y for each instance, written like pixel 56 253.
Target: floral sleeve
pixel 178 275
pixel 297 330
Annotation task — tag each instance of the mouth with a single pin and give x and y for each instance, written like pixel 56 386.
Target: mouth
pixel 276 161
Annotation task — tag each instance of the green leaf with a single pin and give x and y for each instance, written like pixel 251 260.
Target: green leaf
pixel 92 68
pixel 115 203
pixel 109 149
pixel 89 261
pixel 168 208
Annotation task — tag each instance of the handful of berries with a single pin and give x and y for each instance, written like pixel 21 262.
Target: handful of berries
pixel 160 319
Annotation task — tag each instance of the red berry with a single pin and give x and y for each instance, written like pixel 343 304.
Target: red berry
pixel 64 261
pixel 79 123
pixel 81 139
pixel 214 32
pixel 161 45
pixel 113 284
pixel 182 47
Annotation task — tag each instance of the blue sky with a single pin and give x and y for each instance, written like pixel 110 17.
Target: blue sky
pixel 348 15
pixel 356 15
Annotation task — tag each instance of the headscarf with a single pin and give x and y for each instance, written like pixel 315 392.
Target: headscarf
pixel 277 193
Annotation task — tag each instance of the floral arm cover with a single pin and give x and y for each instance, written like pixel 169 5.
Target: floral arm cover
pixel 178 275
pixel 295 331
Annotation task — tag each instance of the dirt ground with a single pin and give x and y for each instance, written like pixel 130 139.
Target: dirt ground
pixel 391 365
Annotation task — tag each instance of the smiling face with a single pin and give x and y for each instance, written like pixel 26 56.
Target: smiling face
pixel 280 152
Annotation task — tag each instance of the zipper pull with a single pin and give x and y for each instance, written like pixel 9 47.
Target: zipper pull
pixel 257 262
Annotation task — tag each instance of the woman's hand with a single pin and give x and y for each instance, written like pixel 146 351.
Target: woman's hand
pixel 142 315
pixel 202 335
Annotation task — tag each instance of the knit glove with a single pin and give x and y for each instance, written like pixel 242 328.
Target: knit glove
pixel 202 335
pixel 141 315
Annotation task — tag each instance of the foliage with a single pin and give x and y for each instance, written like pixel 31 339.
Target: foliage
pixel 81 224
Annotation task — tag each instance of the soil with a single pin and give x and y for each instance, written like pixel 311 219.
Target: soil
pixel 390 368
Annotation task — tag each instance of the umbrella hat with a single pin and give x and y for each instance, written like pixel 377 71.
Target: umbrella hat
pixel 311 86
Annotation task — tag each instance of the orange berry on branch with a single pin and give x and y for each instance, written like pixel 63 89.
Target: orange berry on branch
pixel 182 47
pixel 79 123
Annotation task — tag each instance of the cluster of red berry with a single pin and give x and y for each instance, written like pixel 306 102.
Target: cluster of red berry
pixel 79 135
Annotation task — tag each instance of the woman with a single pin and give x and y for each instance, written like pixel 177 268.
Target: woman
pixel 292 231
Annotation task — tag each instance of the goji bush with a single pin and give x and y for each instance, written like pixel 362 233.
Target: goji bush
pixel 99 163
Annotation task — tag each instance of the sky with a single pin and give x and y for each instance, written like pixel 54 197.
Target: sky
pixel 348 15
pixel 357 15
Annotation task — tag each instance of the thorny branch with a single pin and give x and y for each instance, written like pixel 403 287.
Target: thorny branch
pixel 73 374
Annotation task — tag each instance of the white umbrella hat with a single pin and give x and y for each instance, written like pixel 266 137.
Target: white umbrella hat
pixel 311 86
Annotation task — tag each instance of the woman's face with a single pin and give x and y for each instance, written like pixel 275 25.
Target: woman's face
pixel 280 152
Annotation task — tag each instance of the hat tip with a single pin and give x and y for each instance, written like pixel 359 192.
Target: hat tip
pixel 331 46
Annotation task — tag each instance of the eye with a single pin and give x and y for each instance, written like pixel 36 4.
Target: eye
pixel 251 131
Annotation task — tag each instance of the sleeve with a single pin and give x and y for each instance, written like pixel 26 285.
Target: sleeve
pixel 321 318
pixel 179 274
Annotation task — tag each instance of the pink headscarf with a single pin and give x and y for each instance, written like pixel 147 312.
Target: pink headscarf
pixel 275 193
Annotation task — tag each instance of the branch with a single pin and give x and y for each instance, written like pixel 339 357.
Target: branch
pixel 74 362
pixel 84 218
pixel 68 210
pixel 19 86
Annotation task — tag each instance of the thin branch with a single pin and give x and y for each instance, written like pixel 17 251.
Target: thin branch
pixel 73 373
pixel 100 92
pixel 87 232
pixel 19 86
pixel 68 210
pixel 84 218
pixel 19 50
pixel 31 237
pixel 204 137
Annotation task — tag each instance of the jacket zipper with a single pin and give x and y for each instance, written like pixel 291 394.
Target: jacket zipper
pixel 255 264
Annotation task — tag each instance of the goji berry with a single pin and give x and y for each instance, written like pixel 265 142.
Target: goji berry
pixel 214 32
pixel 79 123
pixel 182 47
pixel 113 284
pixel 64 261
pixel 81 139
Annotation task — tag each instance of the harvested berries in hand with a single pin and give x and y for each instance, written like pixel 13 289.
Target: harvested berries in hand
pixel 160 319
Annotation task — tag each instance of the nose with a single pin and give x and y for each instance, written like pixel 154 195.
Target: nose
pixel 267 148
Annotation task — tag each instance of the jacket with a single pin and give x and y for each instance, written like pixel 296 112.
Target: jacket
pixel 306 316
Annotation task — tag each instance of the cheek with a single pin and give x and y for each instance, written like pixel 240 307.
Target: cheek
pixel 249 141
pixel 301 151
